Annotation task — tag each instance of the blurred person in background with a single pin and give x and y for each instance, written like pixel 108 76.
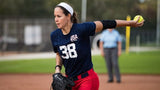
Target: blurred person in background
pixel 110 46
pixel 71 43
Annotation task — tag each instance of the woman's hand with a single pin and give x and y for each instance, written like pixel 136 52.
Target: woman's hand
pixel 136 23
pixel 132 23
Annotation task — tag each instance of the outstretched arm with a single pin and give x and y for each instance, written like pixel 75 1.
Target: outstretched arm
pixel 132 23
pixel 119 23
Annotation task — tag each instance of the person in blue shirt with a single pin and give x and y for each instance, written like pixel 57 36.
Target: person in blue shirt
pixel 110 46
pixel 71 43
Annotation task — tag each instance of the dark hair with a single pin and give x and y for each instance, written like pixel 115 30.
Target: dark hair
pixel 74 18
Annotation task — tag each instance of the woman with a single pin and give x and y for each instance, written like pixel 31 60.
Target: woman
pixel 72 45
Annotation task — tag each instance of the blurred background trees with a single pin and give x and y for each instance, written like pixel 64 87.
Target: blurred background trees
pixel 96 9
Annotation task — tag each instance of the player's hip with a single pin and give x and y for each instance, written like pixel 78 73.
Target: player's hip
pixel 87 81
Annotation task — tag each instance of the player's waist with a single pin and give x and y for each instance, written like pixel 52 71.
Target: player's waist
pixel 110 46
pixel 82 75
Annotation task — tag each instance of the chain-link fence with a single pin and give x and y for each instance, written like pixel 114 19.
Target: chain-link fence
pixel 14 35
pixel 143 38
pixel 33 35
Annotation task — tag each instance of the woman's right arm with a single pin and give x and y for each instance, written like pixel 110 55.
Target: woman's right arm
pixel 119 23
pixel 58 63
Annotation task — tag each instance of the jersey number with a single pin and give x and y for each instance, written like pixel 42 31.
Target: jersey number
pixel 68 51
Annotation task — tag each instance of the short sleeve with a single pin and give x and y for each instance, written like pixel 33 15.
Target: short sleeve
pixel 88 28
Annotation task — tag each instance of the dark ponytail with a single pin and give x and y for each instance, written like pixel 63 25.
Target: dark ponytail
pixel 74 18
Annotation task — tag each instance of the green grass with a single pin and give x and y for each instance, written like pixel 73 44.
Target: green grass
pixel 132 63
pixel 27 66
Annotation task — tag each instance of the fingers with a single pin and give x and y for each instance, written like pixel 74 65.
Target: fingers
pixel 140 24
pixel 137 24
pixel 137 19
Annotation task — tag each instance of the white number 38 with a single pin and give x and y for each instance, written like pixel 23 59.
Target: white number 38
pixel 68 51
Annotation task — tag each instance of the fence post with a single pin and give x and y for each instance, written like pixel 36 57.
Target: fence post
pixel 128 35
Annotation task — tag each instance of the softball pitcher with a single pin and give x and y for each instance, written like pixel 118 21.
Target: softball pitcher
pixel 71 43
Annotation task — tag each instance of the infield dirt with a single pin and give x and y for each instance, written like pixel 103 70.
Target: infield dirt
pixel 43 81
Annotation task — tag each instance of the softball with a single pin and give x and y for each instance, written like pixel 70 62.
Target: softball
pixel 140 19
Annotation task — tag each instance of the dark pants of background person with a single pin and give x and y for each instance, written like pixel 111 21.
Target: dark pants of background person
pixel 111 58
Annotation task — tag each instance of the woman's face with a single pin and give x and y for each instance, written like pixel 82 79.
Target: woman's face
pixel 61 19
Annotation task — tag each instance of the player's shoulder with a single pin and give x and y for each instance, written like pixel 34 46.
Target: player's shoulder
pixel 85 24
pixel 79 26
